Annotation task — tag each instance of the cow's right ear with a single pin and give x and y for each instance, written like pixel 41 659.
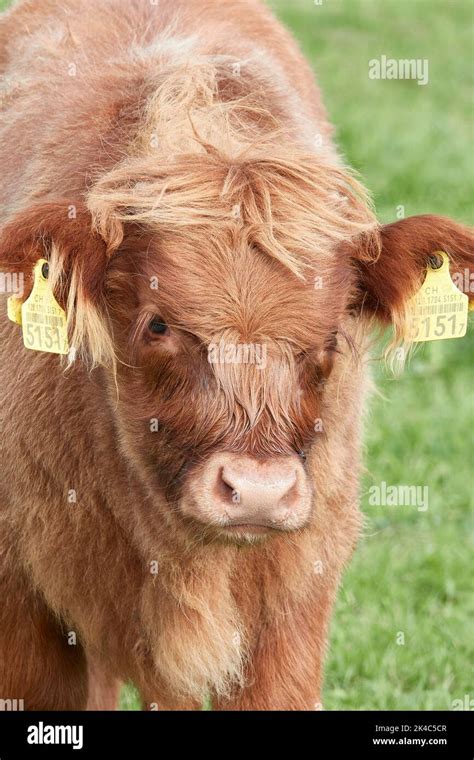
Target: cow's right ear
pixel 62 232
pixel 391 263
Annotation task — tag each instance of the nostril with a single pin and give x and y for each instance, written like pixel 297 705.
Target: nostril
pixel 290 497
pixel 226 488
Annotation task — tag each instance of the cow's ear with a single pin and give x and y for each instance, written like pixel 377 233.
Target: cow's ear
pixel 391 263
pixel 62 232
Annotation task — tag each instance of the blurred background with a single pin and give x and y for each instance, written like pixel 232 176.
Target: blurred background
pixel 401 636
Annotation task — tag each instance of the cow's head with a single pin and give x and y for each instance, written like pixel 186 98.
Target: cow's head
pixel 220 297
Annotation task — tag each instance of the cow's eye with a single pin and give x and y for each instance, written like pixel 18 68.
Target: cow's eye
pixel 157 327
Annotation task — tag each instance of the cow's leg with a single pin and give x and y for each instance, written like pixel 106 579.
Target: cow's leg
pixel 285 667
pixel 104 691
pixel 158 699
pixel 37 665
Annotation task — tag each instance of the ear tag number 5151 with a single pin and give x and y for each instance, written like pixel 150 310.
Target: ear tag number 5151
pixel 43 320
pixel 439 310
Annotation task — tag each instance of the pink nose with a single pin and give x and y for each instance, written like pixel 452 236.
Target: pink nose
pixel 266 493
pixel 235 490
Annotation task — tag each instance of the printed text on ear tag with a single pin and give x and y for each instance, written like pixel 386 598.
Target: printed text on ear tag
pixel 43 320
pixel 439 310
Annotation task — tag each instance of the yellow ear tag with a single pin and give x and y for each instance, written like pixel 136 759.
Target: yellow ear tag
pixel 14 309
pixel 439 310
pixel 43 320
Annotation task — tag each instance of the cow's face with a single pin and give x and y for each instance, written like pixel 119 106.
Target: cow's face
pixel 216 294
pixel 224 354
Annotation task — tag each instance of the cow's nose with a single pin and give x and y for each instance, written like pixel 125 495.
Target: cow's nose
pixel 258 494
pixel 239 491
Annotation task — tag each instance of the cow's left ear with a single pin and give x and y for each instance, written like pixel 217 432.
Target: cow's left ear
pixel 63 226
pixel 63 233
pixel 391 262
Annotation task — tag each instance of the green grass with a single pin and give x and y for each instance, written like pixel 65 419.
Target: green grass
pixel 411 571
pixel 411 144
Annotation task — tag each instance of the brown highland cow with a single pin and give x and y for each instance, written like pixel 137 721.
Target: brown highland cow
pixel 167 493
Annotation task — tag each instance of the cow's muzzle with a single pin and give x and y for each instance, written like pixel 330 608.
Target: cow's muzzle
pixel 241 494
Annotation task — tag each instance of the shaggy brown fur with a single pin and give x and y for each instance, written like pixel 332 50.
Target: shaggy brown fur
pixel 176 144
